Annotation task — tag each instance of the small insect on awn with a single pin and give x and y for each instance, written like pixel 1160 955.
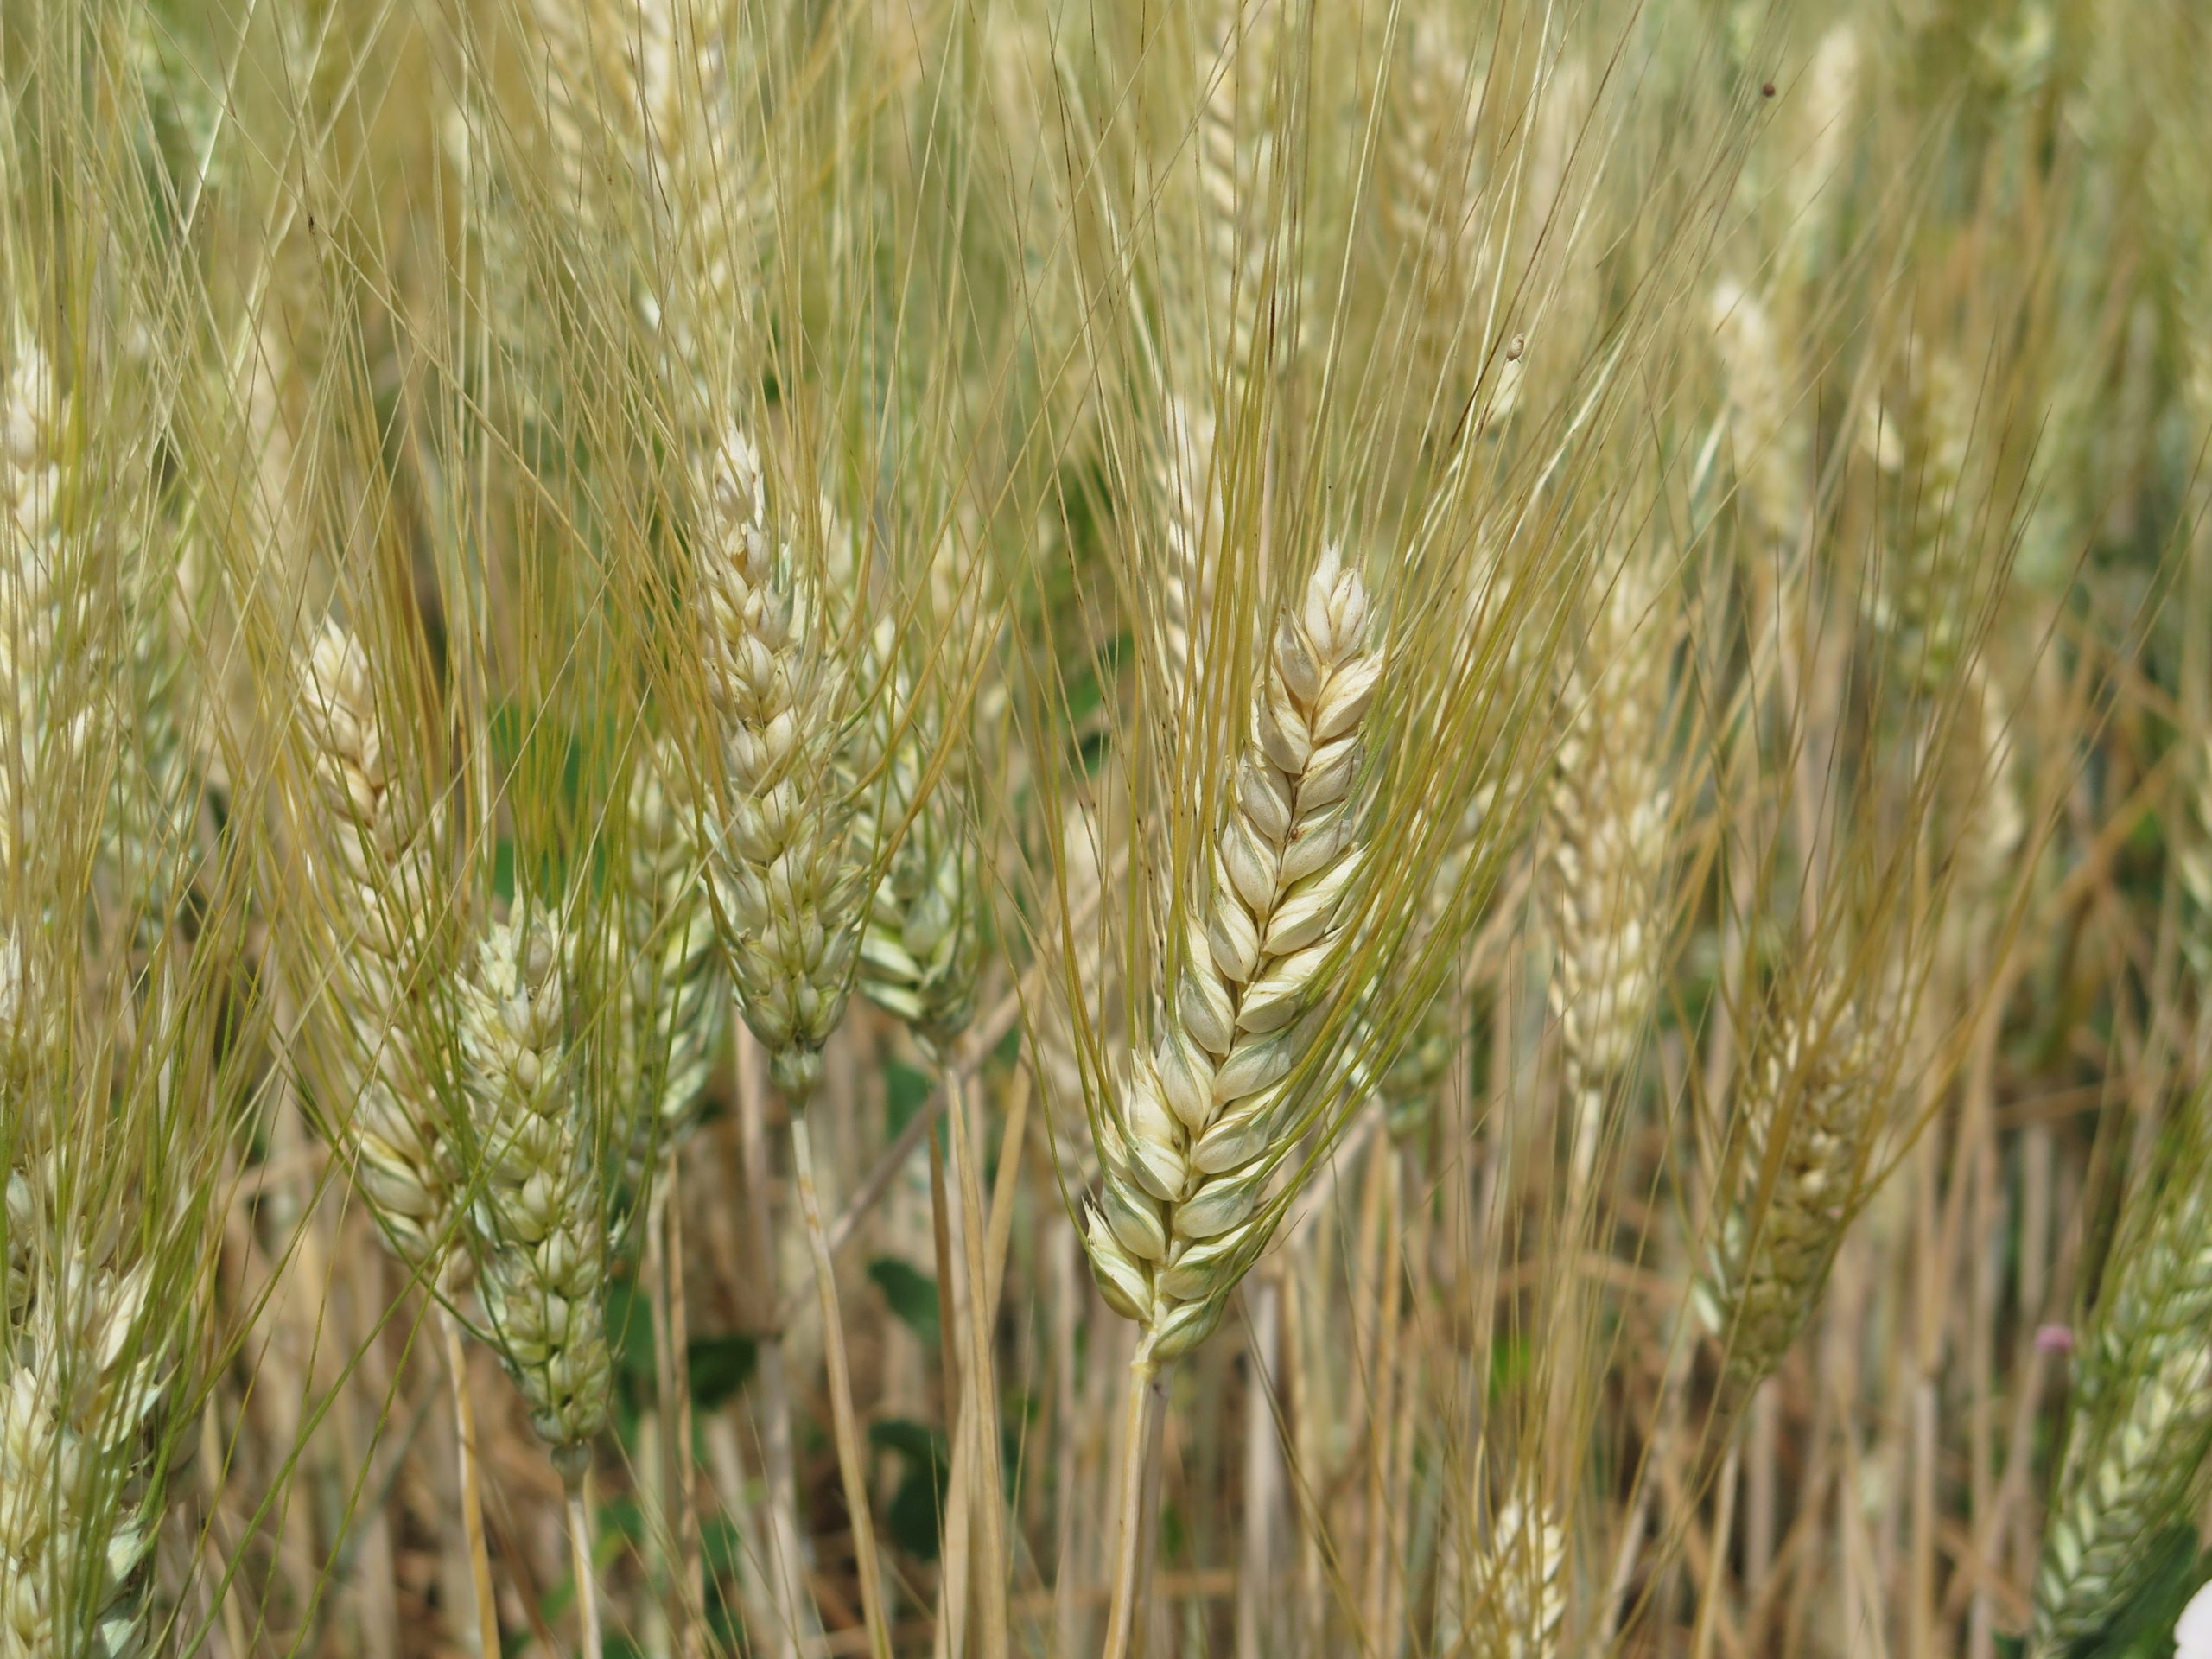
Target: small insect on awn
pixel 2193 1635
pixel 1766 89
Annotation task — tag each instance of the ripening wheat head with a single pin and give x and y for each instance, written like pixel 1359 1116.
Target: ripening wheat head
pixel 673 1005
pixel 792 880
pixel 373 869
pixel 1815 1086
pixel 1608 817
pixel 1198 1128
pixel 2141 1425
pixel 536 1210
pixel 921 949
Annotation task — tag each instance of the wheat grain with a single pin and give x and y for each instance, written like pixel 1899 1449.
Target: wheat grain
pixel 537 1215
pixel 1195 1133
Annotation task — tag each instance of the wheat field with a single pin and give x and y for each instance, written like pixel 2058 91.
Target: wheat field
pixel 1105 827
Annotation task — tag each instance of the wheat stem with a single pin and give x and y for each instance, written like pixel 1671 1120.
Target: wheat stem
pixel 1131 1526
pixel 850 1464
pixel 986 1480
pixel 775 1394
pixel 592 1643
pixel 472 1497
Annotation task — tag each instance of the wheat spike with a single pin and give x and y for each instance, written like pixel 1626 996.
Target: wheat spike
pixel 1812 1077
pixel 1608 816
pixel 1194 1135
pixel 1925 444
pixel 1765 430
pixel 1187 485
pixel 2142 1423
pixel 377 878
pixel 76 1520
pixel 673 1008
pixel 792 891
pixel 642 105
pixel 537 1218
pixel 921 951
pixel 1504 1599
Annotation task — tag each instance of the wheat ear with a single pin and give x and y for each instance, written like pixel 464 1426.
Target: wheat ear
pixel 1190 1145
pixel 1814 1095
pixel 1505 1598
pixel 1607 818
pixel 791 894
pixel 377 878
pixel 76 1521
pixel 536 1215
pixel 793 890
pixel 674 1006
pixel 2142 1422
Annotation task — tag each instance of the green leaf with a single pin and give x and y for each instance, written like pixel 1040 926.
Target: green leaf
pixel 916 1508
pixel 718 1367
pixel 905 1090
pixel 911 1292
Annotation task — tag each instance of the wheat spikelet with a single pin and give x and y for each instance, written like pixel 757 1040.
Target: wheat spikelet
pixel 376 875
pixel 45 616
pixel 2193 861
pixel 2142 1422
pixel 642 109
pixel 1507 1601
pixel 1766 433
pixel 1187 486
pixel 920 951
pixel 1813 1095
pixel 76 1521
pixel 1608 815
pixel 791 893
pixel 673 1005
pixel 1924 441
pixel 1194 1136
pixel 537 1216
